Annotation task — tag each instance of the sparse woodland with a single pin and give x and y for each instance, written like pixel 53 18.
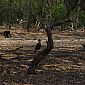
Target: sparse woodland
pixel 58 26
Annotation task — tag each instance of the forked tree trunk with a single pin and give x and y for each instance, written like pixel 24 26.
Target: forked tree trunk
pixel 41 55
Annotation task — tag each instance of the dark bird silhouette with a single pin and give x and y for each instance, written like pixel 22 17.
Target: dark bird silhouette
pixel 83 45
pixel 38 45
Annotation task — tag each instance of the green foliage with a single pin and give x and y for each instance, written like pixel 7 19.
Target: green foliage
pixel 59 10
pixel 39 8
pixel 82 19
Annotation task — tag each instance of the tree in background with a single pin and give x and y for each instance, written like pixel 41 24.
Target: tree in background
pixel 9 17
pixel 11 10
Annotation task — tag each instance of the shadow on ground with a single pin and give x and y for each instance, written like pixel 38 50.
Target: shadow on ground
pixel 59 68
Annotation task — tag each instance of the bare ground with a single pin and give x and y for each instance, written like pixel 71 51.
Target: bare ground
pixel 64 65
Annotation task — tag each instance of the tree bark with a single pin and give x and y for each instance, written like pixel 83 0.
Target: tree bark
pixel 9 22
pixel 41 55
pixel 29 12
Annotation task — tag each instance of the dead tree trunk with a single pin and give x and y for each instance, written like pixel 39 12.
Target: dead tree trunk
pixel 41 55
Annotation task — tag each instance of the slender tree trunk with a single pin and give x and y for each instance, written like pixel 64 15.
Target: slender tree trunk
pixel 70 6
pixel 77 16
pixel 29 12
pixel 41 55
pixel 9 20
pixel 50 2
